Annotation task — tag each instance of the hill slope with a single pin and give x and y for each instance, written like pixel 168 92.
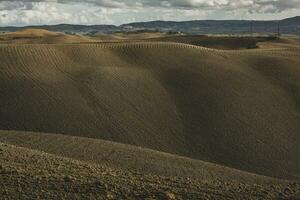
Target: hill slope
pixel 131 158
pixel 39 36
pixel 234 108
pixel 30 174
pixel 218 42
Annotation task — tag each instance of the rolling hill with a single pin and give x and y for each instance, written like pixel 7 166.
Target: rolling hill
pixel 28 173
pixel 163 110
pixel 31 174
pixel 40 36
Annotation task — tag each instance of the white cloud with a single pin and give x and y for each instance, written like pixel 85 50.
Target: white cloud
pixel 24 12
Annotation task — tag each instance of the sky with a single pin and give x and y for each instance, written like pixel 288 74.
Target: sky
pixel 38 12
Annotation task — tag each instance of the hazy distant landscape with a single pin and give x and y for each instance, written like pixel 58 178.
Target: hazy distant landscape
pixel 163 109
pixel 286 26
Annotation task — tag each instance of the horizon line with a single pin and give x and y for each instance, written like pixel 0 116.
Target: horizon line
pixel 176 21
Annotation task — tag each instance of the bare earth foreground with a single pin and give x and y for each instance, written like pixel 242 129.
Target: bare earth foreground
pixel 149 117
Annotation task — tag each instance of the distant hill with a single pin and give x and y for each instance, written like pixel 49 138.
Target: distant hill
pixel 67 28
pixel 293 20
pixel 287 26
pixel 31 36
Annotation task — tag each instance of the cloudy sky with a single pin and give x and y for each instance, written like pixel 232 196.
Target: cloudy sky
pixel 29 12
